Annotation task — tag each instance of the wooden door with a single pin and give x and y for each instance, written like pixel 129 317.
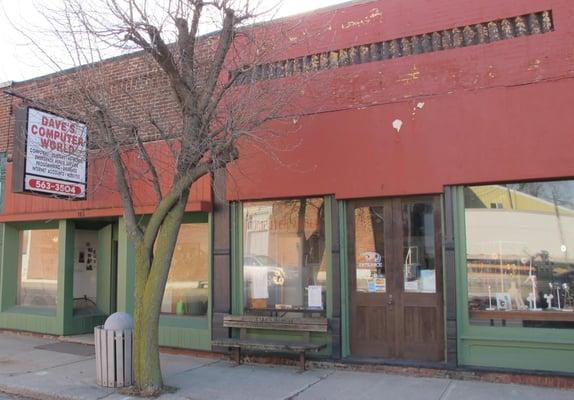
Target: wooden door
pixel 395 279
pixel 371 317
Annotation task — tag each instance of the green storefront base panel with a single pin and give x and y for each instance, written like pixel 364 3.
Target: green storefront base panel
pixel 78 325
pixel 520 355
pixel 31 322
pixel 196 339
pixel 184 332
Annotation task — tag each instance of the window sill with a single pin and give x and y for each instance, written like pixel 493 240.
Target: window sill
pixel 560 316
pixel 38 311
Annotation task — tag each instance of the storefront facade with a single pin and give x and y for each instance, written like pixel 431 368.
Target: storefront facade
pixel 425 212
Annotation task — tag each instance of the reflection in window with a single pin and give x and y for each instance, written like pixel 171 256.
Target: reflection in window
pixel 85 271
pixel 419 247
pixel 370 249
pixel 37 268
pixel 284 263
pixel 187 288
pixel 520 255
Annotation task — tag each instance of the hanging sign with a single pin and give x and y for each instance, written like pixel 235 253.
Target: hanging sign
pixel 50 156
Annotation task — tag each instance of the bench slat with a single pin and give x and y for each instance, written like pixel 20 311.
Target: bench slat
pixel 268 345
pixel 276 323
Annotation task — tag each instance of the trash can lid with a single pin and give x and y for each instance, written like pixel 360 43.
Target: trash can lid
pixel 119 320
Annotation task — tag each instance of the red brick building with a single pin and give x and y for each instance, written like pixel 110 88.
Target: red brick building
pixel 429 201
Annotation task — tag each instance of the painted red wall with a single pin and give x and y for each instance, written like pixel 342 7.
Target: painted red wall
pixel 491 112
pixel 495 112
pixel 102 196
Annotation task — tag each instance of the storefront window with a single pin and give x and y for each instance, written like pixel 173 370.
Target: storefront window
pixel 187 288
pixel 284 261
pixel 37 268
pixel 520 254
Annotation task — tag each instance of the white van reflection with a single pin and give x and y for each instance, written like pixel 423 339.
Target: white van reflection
pixel 254 264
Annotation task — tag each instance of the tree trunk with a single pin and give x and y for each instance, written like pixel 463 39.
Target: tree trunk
pixel 151 279
pixel 142 266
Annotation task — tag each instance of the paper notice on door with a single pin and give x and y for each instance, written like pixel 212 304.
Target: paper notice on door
pixel 259 288
pixel 315 297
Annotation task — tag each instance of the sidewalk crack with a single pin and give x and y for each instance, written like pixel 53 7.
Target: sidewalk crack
pixel 446 391
pixel 32 371
pixel 198 367
pixel 305 388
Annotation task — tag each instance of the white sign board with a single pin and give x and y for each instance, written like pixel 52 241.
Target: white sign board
pixel 56 155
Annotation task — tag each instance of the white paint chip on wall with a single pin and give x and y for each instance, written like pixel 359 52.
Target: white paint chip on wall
pixel 397 125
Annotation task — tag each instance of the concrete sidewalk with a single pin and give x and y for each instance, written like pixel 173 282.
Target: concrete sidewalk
pixel 43 369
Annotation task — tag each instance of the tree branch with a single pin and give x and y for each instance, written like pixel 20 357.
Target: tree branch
pixel 145 156
pixel 121 180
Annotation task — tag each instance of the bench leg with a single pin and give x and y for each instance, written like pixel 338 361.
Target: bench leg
pixel 237 355
pixel 302 361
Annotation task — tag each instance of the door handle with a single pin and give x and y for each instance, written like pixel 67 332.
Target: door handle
pixel 390 300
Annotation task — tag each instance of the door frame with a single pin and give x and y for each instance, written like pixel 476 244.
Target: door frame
pixel 446 279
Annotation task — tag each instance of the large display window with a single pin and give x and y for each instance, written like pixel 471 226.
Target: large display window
pixel 520 254
pixel 187 288
pixel 37 268
pixel 284 259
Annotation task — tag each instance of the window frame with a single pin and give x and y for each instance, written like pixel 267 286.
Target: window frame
pixel 469 335
pixel 237 250
pixel 190 220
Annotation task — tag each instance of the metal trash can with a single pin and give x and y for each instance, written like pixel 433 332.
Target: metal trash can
pixel 114 351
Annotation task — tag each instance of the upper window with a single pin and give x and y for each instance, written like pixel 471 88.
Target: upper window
pixel 520 254
pixel 37 268
pixel 187 288
pixel 284 263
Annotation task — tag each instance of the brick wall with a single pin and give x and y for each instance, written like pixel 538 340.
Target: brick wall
pixel 373 93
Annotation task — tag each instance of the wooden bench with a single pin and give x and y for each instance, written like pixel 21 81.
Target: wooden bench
pixel 244 322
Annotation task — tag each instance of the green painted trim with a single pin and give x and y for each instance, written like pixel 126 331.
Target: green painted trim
pixel 38 311
pixel 520 342
pixel 189 331
pixel 236 224
pixel 104 272
pixel 503 347
pixel 125 270
pixel 174 331
pixel 26 321
pixel 9 276
pixel 444 276
pixel 210 278
pixel 196 218
pixel 237 300
pixel 65 294
pixel 115 231
pixel 344 261
pixel 182 337
pixel 52 224
pixel 33 319
pixel 2 280
pixel 84 321
pixel 59 320
pixel 328 225
pixel 184 321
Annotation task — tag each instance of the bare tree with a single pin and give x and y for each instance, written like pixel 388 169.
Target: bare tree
pixel 188 97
